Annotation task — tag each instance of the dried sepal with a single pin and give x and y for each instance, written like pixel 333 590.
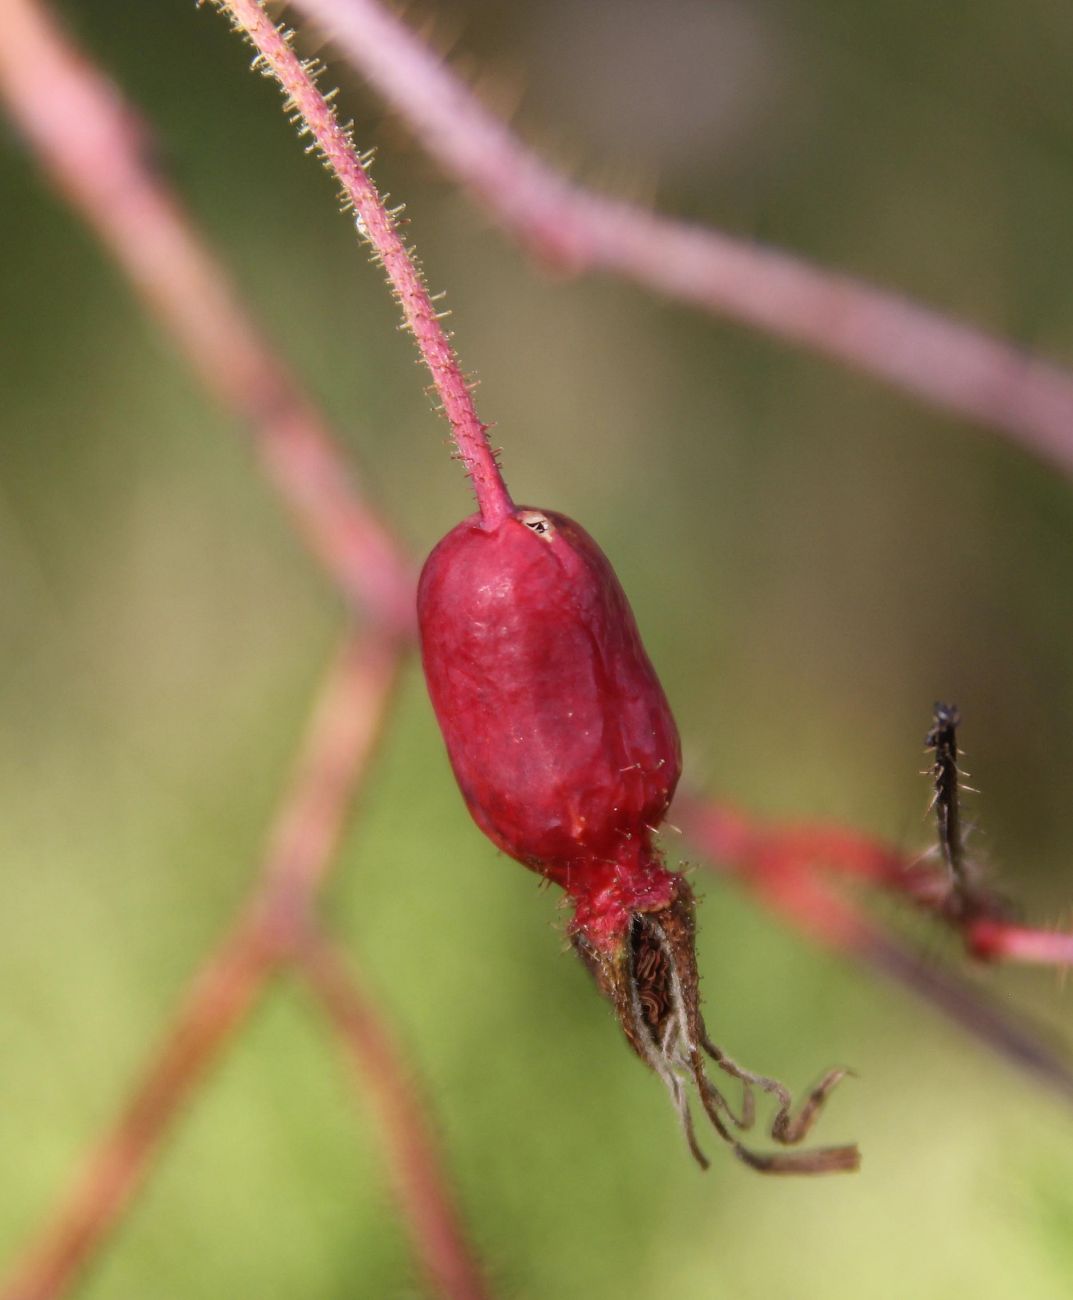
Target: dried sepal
pixel 652 983
pixel 941 741
pixel 967 897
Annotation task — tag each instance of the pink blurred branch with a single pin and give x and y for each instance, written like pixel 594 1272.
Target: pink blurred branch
pixel 964 370
pixel 1000 941
pixel 97 153
pixel 341 740
pixel 93 147
pixel 788 858
pixel 410 1143
pixel 297 79
pixel 344 733
pixel 216 1005
pixel 795 872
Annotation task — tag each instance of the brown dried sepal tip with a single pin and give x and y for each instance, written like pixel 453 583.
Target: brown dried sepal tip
pixel 653 986
pixel 967 898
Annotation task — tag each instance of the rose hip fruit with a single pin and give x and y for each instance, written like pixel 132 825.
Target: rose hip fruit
pixel 567 755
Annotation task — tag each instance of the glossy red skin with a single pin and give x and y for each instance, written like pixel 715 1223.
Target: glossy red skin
pixel 557 728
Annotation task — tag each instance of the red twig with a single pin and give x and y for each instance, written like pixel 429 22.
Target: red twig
pixel 340 743
pixel 94 149
pixel 98 155
pixel 999 941
pixel 784 867
pixel 412 1157
pixel 217 1003
pixel 916 349
pixel 343 736
pixel 380 227
pixel 789 856
pixel 1008 1032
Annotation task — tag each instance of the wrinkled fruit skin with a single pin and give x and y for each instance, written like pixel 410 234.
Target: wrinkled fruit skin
pixel 557 728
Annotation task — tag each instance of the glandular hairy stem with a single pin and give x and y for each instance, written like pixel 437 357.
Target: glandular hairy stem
pixel 652 982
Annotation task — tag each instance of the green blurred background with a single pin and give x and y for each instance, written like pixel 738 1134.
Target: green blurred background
pixel 813 561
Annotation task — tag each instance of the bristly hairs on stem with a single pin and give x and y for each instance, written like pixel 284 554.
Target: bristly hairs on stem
pixel 916 349
pixel 312 111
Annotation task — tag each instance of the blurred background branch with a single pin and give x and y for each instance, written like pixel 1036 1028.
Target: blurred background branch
pixel 423 1192
pixel 784 869
pixel 105 163
pixel 923 352
pixel 102 167
pixel 101 157
pixel 276 927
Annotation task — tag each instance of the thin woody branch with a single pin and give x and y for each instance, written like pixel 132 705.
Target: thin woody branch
pixel 217 1003
pixel 381 228
pixel 412 1157
pixel 920 351
pixel 337 752
pixel 796 851
pixel 787 869
pixel 1007 1032
pixel 98 154
pixel 992 940
pixel 95 151
pixel 344 734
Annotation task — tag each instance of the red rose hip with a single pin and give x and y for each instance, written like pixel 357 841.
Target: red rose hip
pixel 567 755
pixel 556 725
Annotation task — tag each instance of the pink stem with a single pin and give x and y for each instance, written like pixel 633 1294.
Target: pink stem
pixel 789 859
pixel 344 734
pixel 341 741
pixel 997 941
pixel 911 347
pixel 216 1004
pixel 96 152
pixel 417 1171
pixel 792 887
pixel 380 228
pixel 94 149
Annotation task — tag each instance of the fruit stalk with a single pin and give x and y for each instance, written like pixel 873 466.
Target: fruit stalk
pixel 381 228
